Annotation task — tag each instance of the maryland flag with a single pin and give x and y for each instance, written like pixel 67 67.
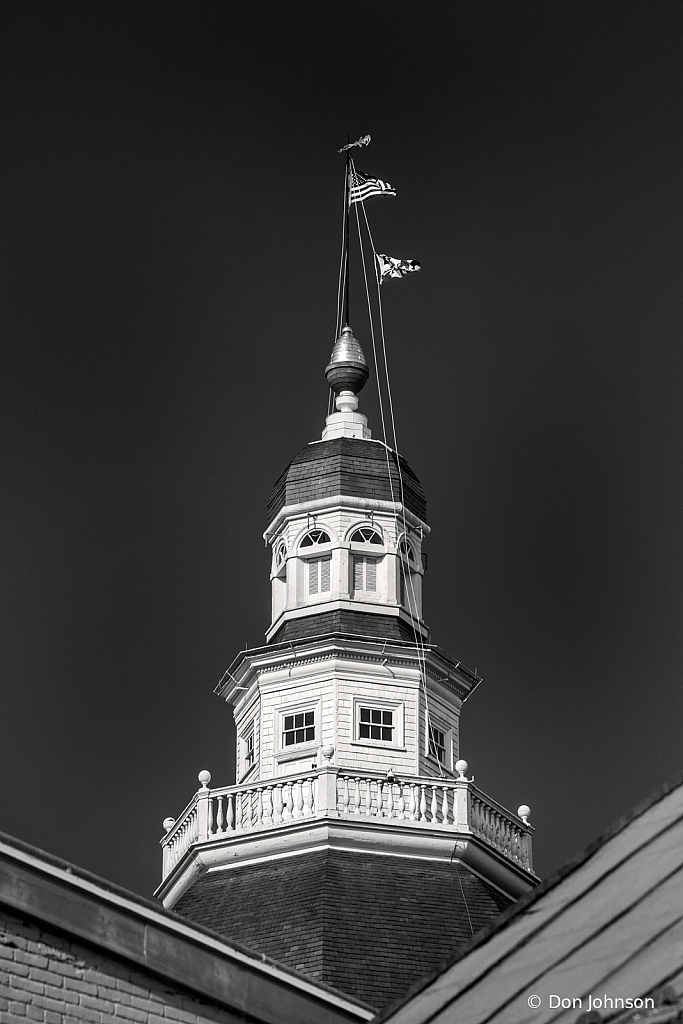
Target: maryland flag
pixel 361 187
pixel 389 266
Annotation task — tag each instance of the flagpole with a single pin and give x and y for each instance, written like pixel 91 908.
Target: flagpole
pixel 345 318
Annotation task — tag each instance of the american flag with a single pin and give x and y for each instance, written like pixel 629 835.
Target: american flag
pixel 362 187
pixel 389 266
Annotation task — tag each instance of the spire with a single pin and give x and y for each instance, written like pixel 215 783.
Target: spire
pixel 347 373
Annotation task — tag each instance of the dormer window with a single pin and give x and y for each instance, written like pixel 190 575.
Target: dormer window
pixel 315 537
pixel 407 552
pixel 365 535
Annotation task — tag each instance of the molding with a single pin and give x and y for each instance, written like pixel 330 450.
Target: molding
pixel 342 501
pixel 416 840
pixel 60 896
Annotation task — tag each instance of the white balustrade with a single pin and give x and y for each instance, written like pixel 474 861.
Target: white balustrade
pixel 453 804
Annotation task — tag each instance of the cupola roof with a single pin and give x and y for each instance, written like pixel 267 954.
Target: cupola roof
pixel 352 467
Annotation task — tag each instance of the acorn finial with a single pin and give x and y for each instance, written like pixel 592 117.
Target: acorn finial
pixel 347 369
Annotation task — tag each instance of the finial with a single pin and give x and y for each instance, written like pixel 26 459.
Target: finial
pixel 347 371
pixel 524 812
pixel 168 824
pixel 205 778
pixel 328 752
pixel 461 769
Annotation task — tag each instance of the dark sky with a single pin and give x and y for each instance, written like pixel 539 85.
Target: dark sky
pixel 171 211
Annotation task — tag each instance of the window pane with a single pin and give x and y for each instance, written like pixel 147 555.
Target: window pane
pixel 365 732
pixel 308 719
pixel 299 733
pixel 375 732
pixel 289 721
pixel 386 733
pixel 365 714
pixel 289 738
pixel 310 734
pixel 387 717
pixel 376 715
pixel 298 721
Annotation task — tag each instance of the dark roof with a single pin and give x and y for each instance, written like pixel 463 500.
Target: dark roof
pixel 342 620
pixel 368 924
pixel 61 896
pixel 350 466
pixel 609 922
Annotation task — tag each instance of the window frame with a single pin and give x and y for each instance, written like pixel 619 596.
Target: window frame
pixel 296 751
pixel 436 723
pixel 397 708
pixel 247 733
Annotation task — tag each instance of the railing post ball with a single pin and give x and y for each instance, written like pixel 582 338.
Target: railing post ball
pixel 169 823
pixel 461 768
pixel 524 811
pixel 205 778
pixel 328 752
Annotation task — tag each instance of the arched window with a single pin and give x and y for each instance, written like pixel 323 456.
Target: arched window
pixel 315 537
pixel 365 535
pixel 407 551
pixel 280 559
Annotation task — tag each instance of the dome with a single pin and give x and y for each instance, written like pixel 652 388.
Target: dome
pixel 353 467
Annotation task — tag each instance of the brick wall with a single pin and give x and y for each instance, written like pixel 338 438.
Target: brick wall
pixel 45 977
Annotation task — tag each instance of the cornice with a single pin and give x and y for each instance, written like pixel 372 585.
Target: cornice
pixel 343 501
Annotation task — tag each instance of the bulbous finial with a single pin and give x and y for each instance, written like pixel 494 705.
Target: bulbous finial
pixel 347 369
pixel 524 811
pixel 205 778
pixel 168 824
pixel 461 768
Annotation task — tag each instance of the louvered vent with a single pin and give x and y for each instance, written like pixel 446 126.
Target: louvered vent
pixel 358 572
pixel 313 576
pixel 325 564
pixel 371 574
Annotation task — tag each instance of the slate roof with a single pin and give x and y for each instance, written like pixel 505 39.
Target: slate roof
pixel 368 924
pixel 350 466
pixel 345 621
pixel 609 923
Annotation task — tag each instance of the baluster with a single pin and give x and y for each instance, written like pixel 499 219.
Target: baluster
pixel 412 806
pixel 267 805
pixel 435 804
pixel 356 797
pixel 210 817
pixel 287 810
pixel 423 804
pixel 220 820
pixel 444 806
pixel 308 798
pixel 299 798
pixel 380 798
pixel 249 807
pixel 401 802
pixel 368 798
pixel 230 813
pixel 277 804
pixel 259 807
pixel 390 800
pixel 345 795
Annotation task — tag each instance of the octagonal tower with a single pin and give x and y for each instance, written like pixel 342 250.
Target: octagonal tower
pixel 352 813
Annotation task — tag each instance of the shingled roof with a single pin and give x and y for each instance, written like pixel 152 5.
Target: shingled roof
pixel 350 466
pixel 368 924
pixel 609 924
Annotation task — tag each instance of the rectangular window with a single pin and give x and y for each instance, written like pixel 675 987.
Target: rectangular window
pixel 365 573
pixel 376 724
pixel 249 751
pixel 437 744
pixel 319 575
pixel 298 728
